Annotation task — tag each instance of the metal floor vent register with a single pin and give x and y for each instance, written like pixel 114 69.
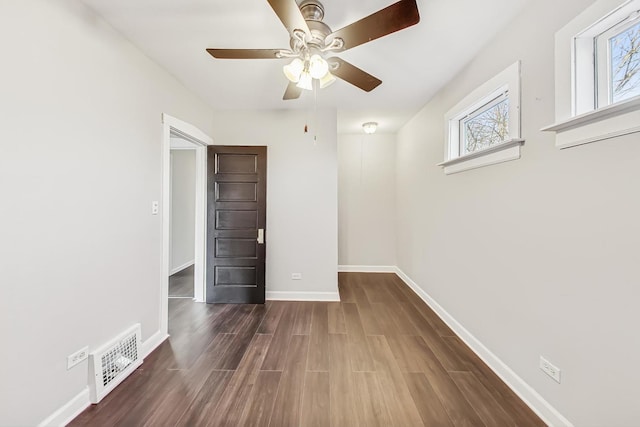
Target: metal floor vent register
pixel 113 362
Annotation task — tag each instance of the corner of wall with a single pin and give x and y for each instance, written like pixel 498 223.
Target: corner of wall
pixel 529 396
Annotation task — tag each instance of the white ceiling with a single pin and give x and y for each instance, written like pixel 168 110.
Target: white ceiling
pixel 412 64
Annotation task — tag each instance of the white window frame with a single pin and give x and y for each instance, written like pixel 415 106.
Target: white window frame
pixel 584 113
pixel 505 84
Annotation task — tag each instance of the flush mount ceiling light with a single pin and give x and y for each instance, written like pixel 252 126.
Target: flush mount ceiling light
pixel 312 42
pixel 370 127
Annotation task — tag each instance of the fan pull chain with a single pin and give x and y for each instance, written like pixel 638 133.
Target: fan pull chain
pixel 315 112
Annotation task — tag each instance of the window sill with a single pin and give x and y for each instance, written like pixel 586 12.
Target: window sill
pixel 504 152
pixel 598 125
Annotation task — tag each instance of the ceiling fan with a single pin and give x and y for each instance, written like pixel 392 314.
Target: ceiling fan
pixel 312 40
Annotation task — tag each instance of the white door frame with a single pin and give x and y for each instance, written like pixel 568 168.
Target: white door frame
pixel 171 125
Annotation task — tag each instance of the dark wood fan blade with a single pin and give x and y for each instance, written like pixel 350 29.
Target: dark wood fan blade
pixel 292 92
pixel 394 18
pixel 244 53
pixel 290 15
pixel 354 75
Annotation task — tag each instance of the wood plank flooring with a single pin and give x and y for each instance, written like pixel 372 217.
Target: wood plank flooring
pixel 181 283
pixel 380 357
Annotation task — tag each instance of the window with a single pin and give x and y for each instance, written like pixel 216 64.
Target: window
pixel 487 126
pixel 601 65
pixel 618 62
pixel 484 128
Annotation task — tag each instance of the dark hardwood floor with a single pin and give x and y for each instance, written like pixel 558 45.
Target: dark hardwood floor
pixel 181 284
pixel 380 357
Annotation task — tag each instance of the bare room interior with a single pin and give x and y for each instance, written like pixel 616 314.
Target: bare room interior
pixel 320 213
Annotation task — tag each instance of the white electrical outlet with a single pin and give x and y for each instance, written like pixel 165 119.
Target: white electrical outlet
pixel 549 369
pixel 155 207
pixel 296 276
pixel 77 357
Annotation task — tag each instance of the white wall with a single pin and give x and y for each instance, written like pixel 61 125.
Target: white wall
pixel 537 256
pixel 302 195
pixel 183 209
pixel 80 163
pixel 366 200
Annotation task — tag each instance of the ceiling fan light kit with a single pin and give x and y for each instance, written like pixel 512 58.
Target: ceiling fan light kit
pixel 293 70
pixel 302 73
pixel 327 80
pixel 318 67
pixel 311 40
pixel 306 81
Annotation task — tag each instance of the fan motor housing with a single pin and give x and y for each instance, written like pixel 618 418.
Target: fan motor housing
pixel 319 32
pixel 312 10
pixel 313 13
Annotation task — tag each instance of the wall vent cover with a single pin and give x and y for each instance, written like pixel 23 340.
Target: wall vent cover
pixel 113 362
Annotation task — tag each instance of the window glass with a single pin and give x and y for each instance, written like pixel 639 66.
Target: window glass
pixel 485 127
pixel 624 52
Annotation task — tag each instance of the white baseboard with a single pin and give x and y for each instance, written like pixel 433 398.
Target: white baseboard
pixel 529 396
pixel 65 414
pixel 302 296
pixel 179 268
pixel 366 269
pixel 152 343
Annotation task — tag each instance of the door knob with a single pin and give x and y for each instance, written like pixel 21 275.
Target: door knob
pixel 260 238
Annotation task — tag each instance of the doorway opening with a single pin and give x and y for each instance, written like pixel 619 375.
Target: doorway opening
pixel 185 137
pixel 182 217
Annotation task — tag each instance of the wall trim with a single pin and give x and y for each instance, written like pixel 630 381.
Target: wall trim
pixel 74 407
pixel 66 413
pixel 302 296
pixel 529 396
pixel 179 268
pixel 152 343
pixel 366 269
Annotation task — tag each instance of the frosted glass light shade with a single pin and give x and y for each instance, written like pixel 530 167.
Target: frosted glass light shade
pixel 318 67
pixel 327 80
pixel 370 127
pixel 293 70
pixel 305 81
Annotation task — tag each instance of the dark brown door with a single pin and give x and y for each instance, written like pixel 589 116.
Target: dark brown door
pixel 236 220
